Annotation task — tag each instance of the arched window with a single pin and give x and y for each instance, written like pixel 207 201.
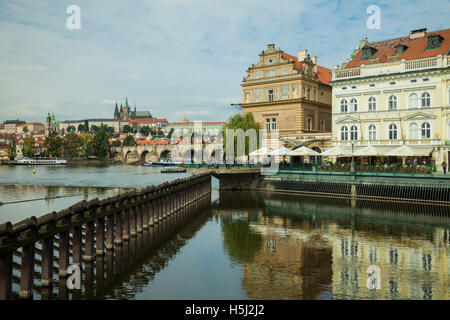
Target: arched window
pixel 413 101
pixel 413 131
pixel 426 100
pixel 372 104
pixel 344 133
pixel 353 105
pixel 426 130
pixel 372 132
pixel 392 131
pixel 344 106
pixel 354 133
pixel 392 102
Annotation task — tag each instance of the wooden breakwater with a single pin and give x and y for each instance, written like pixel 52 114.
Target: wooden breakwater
pixel 41 249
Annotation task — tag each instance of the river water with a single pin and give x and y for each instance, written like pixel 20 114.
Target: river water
pixel 250 245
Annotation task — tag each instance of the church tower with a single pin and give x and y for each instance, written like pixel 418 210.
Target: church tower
pixel 116 113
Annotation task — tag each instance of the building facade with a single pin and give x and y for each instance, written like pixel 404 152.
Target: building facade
pixel 395 92
pixel 289 94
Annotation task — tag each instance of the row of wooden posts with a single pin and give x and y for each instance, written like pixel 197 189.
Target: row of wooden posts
pixel 102 224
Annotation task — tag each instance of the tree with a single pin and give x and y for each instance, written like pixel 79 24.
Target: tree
pixel 29 148
pixel 53 144
pixel 101 144
pixel 129 141
pixel 12 149
pixel 87 144
pixel 94 128
pixel 116 143
pixel 160 134
pixel 81 128
pixel 169 135
pixel 71 129
pixel 127 129
pixel 25 129
pixel 72 145
pixel 144 130
pixel 243 122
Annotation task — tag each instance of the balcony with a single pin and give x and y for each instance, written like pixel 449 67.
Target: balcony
pixel 392 67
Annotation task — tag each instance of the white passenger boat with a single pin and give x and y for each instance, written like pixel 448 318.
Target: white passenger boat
pixel 40 162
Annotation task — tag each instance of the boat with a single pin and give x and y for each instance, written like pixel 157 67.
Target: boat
pixel 162 163
pixel 40 162
pixel 173 170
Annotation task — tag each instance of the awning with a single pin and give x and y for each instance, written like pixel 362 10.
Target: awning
pixel 303 151
pixel 411 151
pixel 260 152
pixel 370 151
pixel 338 152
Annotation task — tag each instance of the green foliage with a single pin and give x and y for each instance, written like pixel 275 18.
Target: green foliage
pixel 169 135
pixel 243 122
pixel 72 128
pixel 87 143
pixel 94 128
pixel 25 129
pixel 72 145
pixel 101 144
pixel 127 129
pixel 160 133
pixel 53 144
pixel 129 141
pixel 144 130
pixel 29 149
pixel 12 149
pixel 116 143
pixel 81 128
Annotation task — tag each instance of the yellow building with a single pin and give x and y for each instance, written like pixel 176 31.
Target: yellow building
pixel 289 94
pixel 395 92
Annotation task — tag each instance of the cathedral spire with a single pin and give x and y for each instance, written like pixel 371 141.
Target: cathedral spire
pixel 116 112
pixel 126 102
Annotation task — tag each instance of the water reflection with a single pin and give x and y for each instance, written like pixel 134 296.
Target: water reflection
pixel 296 247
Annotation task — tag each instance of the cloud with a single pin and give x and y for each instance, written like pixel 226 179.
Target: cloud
pixel 171 56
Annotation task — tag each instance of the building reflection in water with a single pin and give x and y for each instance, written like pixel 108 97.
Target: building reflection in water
pixel 294 247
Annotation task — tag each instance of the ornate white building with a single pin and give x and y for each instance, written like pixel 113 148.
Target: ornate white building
pixel 395 92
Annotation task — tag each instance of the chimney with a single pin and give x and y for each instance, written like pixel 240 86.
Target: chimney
pixel 314 60
pixel 302 54
pixel 419 33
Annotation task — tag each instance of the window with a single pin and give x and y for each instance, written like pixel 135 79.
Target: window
pixel 344 133
pixel 344 106
pixel 413 101
pixel 322 125
pixel 426 100
pixel 322 99
pixel 314 95
pixel 392 132
pixel 372 104
pixel 270 95
pixel 309 124
pixel 372 132
pixel 426 130
pixel 309 94
pixel 392 102
pixel 413 131
pixel 354 133
pixel 303 92
pixel 274 124
pixel 353 105
pixel 267 124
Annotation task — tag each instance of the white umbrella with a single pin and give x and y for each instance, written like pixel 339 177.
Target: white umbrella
pixel 303 151
pixel 283 151
pixel 337 151
pixel 410 151
pixel 260 152
pixel 370 151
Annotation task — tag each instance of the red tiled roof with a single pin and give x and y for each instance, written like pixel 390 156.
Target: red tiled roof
pixel 324 74
pixel 191 123
pixel 148 120
pixel 386 51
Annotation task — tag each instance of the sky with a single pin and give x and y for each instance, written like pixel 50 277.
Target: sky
pixel 173 57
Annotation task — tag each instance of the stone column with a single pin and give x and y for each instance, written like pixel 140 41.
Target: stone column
pixel 100 237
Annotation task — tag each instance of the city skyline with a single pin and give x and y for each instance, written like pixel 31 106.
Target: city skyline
pixel 172 58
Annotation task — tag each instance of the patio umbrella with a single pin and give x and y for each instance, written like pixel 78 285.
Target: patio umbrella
pixel 337 152
pixel 303 151
pixel 260 152
pixel 283 151
pixel 370 151
pixel 410 151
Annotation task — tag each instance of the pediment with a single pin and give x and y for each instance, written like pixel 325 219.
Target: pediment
pixel 348 119
pixel 419 116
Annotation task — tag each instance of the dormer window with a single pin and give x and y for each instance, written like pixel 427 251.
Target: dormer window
pixel 400 48
pixel 368 52
pixel 434 41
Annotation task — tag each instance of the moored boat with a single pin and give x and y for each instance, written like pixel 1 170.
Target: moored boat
pixel 164 163
pixel 40 162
